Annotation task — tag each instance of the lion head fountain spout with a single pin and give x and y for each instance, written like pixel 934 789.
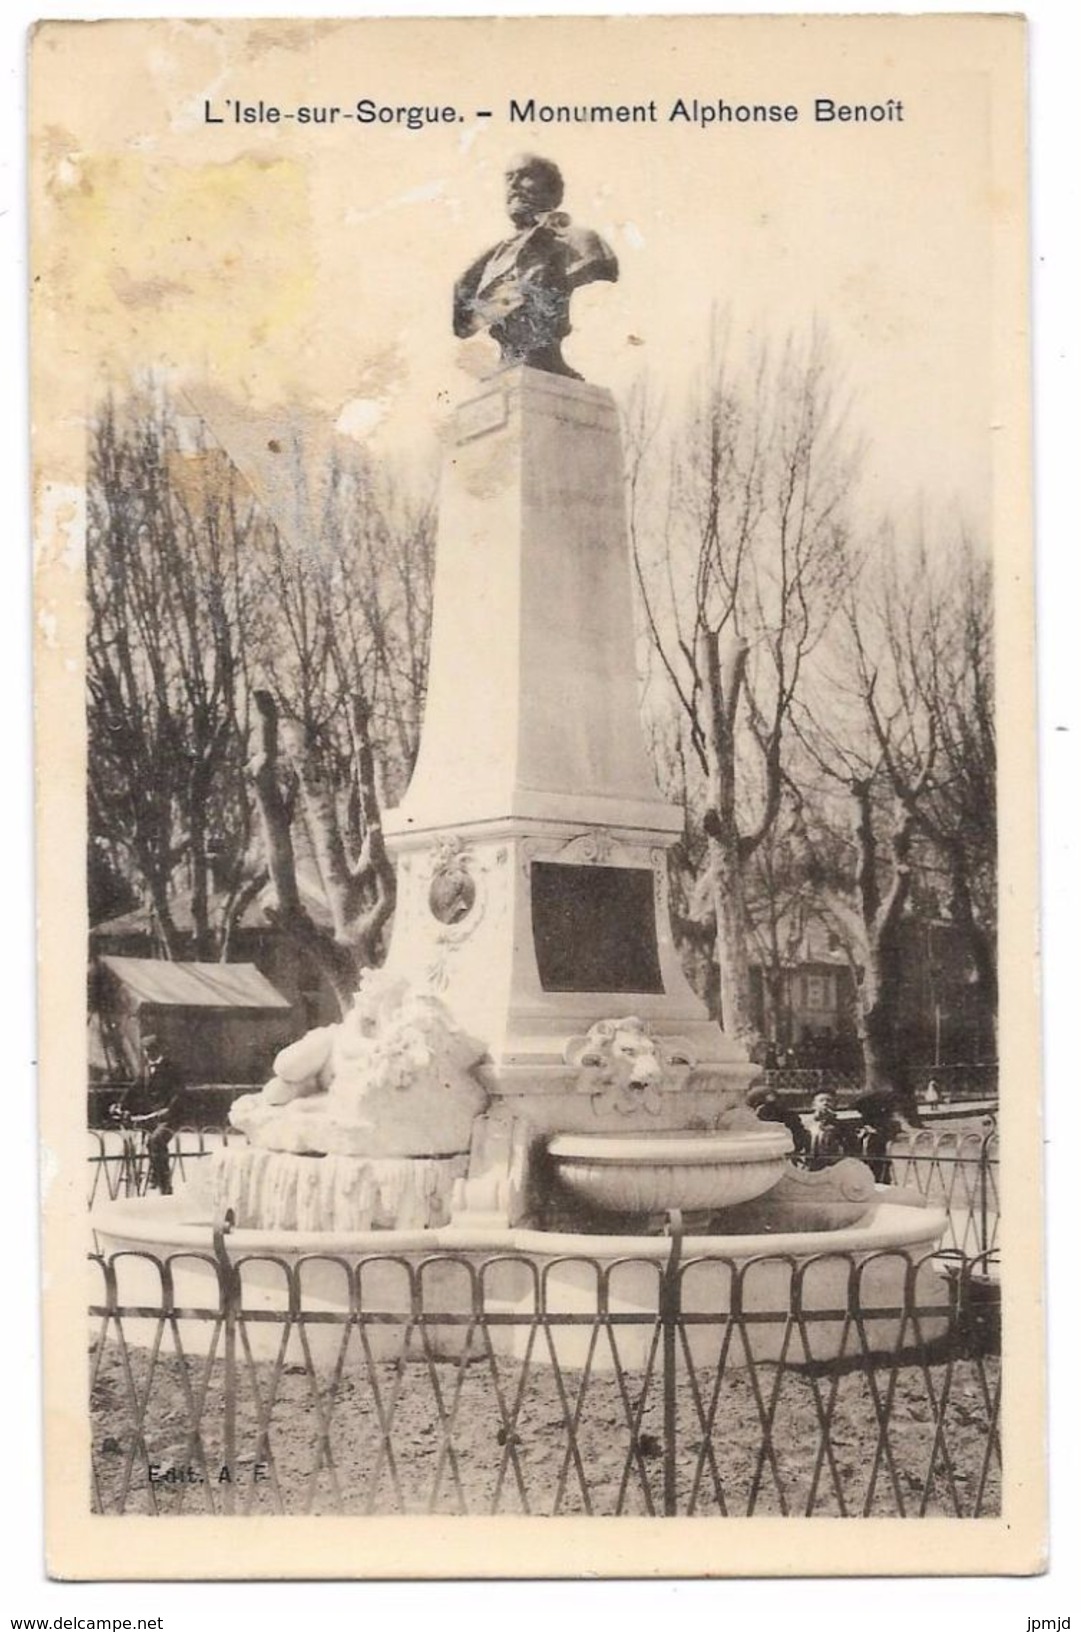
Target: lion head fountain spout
pixel 624 1068
pixel 657 1144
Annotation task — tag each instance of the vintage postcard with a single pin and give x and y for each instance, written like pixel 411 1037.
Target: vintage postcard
pixel 536 797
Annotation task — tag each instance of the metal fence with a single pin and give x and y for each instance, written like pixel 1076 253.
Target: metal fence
pixel 956 1084
pixel 422 1386
pixel 954 1170
pixel 118 1163
pixel 958 1171
pixel 207 1102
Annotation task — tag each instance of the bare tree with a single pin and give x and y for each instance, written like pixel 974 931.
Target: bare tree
pixel 862 882
pixel 342 650
pixel 358 886
pixel 168 532
pixel 903 727
pixel 738 525
pixel 219 631
pixel 958 815
pixel 779 902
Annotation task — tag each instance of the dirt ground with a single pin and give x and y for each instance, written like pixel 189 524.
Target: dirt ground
pixel 493 1436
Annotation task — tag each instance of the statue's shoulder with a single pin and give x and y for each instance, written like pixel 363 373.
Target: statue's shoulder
pixel 588 252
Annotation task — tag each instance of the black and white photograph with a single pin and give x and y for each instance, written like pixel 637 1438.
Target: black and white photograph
pixel 534 604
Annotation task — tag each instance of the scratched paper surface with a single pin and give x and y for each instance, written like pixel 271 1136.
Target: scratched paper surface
pixel 795 258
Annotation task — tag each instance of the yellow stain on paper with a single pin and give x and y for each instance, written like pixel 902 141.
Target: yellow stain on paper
pixel 201 267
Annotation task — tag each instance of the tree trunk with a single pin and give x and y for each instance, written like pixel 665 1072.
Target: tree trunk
pixel 980 944
pixel 169 937
pixel 202 934
pixel 360 894
pixel 877 1028
pixel 338 961
pixel 725 851
pixel 885 1060
pixel 733 957
pixel 776 1029
pixel 319 802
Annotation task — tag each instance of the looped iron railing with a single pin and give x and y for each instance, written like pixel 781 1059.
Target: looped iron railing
pixel 956 1170
pixel 654 1383
pixel 119 1163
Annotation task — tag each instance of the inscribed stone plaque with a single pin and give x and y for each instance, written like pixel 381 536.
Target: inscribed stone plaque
pixel 593 928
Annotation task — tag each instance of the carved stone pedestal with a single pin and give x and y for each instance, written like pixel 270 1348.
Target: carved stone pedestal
pixel 532 843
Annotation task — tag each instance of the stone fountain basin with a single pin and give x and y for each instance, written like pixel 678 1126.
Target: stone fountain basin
pixel 878 1263
pixel 639 1174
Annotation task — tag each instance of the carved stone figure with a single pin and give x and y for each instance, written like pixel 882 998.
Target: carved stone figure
pixel 394 1078
pixel 520 290
pixel 625 1068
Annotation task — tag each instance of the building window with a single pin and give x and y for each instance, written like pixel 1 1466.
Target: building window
pixel 818 991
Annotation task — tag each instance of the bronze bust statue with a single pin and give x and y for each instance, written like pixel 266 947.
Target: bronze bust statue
pixel 520 290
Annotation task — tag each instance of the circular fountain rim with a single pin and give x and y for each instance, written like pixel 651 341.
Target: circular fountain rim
pixel 677 1148
pixel 157 1221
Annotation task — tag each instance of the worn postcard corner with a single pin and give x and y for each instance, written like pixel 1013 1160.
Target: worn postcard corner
pixel 535 703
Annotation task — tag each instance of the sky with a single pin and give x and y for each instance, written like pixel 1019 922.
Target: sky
pixel 302 269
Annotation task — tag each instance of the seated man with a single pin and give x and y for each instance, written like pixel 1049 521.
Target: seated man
pixel 828 1143
pixel 164 1104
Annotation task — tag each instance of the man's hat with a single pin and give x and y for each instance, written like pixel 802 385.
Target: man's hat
pixel 761 1096
pixel 875 1101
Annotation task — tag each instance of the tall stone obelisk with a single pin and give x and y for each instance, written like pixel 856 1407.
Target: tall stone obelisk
pixel 532 842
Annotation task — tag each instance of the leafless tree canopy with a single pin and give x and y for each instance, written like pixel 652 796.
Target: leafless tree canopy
pixel 819 691
pixel 738 506
pixel 252 695
pixel 170 604
pixel 901 725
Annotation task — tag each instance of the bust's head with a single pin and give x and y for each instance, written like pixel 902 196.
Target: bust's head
pixel 534 186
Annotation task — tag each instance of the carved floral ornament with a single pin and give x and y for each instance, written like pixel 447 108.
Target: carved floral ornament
pixel 596 847
pixel 624 1067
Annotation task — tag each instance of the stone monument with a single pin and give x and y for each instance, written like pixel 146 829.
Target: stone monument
pixel 532 843
pixel 532 971
pixel 530 1074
